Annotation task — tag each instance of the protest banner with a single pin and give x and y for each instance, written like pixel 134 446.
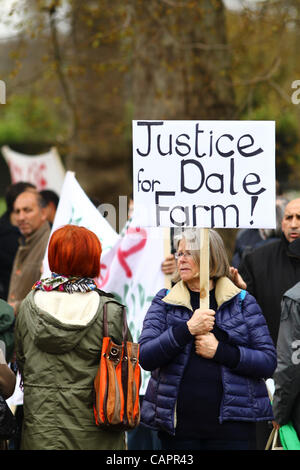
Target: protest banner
pixel 130 261
pixel 206 174
pixel 45 171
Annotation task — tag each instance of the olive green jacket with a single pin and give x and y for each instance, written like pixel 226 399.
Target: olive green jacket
pixel 58 340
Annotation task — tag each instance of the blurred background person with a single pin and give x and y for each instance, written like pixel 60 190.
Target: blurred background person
pixel 9 235
pixel 51 199
pixel 286 400
pixel 31 219
pixel 249 239
pixel 7 322
pixel 7 382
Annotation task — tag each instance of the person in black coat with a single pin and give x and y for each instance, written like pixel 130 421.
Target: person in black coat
pixel 51 199
pixel 9 236
pixel 7 383
pixel 272 269
pixel 269 271
pixel 249 239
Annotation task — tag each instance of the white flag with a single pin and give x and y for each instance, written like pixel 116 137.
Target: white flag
pixel 45 171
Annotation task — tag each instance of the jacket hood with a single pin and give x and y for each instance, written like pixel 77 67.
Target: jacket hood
pixel 179 294
pixel 7 316
pixel 293 293
pixel 57 321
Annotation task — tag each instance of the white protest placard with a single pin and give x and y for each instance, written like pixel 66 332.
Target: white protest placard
pixel 212 174
pixel 45 170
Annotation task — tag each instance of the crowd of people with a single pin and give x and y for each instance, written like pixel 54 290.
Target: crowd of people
pixel 209 367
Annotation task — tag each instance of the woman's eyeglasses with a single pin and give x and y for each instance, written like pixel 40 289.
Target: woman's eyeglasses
pixel 184 254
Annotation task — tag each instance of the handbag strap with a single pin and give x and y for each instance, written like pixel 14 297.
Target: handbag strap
pixel 124 327
pixel 273 441
pixel 105 321
pixel 270 439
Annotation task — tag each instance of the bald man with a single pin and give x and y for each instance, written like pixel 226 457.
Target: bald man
pixel 272 269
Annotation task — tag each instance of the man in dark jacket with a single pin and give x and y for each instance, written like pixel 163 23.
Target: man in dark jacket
pixel 269 272
pixel 286 403
pixel 51 202
pixel 272 269
pixel 249 239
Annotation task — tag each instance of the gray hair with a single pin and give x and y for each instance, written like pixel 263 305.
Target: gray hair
pixel 218 260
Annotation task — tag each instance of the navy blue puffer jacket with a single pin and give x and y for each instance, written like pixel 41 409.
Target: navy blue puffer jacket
pixel 245 396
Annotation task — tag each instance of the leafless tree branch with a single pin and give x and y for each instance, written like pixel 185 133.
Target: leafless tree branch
pixel 59 70
pixel 262 78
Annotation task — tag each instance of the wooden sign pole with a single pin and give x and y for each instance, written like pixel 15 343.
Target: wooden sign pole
pixel 204 268
pixel 167 251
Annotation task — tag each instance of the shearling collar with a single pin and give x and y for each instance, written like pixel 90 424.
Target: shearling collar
pixel 74 309
pixel 179 294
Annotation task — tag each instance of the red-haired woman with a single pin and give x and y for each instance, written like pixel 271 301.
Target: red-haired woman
pixel 58 344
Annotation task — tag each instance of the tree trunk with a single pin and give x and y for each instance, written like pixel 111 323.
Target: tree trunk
pixel 182 61
pixel 182 65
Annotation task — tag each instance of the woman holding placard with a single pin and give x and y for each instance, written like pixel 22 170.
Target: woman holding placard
pixel 206 389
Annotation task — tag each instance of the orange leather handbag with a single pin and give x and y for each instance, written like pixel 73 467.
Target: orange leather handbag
pixel 117 383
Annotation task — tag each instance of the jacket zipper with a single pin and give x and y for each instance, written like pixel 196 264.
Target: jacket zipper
pixel 222 401
pixel 175 415
pixel 222 375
